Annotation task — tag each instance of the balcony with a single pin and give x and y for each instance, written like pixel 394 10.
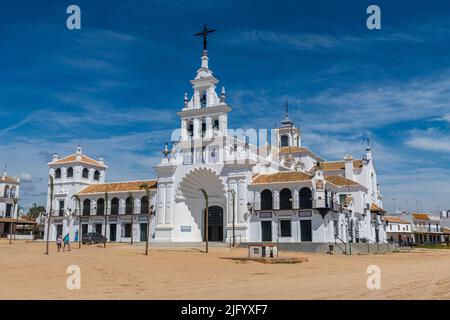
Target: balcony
pixel 427 229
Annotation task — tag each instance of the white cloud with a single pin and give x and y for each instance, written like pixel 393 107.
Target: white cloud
pixel 429 140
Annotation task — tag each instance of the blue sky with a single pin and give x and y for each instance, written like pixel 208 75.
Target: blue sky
pixel 115 85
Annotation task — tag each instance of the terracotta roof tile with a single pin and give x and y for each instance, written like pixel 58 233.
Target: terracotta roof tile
pixel 445 230
pixel 376 208
pixel 393 219
pixel 117 187
pixel 293 149
pixel 341 181
pixel 338 165
pixel 8 180
pixel 85 159
pixel 421 216
pixel 287 176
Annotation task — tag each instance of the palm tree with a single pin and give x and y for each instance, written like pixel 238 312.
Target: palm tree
pixel 145 186
pixel 205 195
pixel 106 215
pixel 130 194
pixel 78 210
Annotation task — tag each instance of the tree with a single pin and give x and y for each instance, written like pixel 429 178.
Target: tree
pixel 35 211
pixel 145 186
pixel 78 210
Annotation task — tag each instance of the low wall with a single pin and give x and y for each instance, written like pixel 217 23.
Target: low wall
pixel 354 248
pixel 21 236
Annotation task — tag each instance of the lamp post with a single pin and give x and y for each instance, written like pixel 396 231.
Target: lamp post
pixel 150 213
pixel 233 197
pixel 49 213
pixel 205 195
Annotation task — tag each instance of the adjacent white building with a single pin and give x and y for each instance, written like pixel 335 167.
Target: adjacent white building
pixel 9 196
pixel 274 190
pixel 399 230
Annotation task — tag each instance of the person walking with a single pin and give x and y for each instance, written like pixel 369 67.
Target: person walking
pixel 59 242
pixel 66 242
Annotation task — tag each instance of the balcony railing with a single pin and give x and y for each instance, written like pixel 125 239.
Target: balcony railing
pixel 426 229
pixel 112 210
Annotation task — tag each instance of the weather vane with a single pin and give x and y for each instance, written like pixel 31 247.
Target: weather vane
pixel 204 33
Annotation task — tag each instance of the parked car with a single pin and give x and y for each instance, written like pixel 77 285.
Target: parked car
pixel 93 237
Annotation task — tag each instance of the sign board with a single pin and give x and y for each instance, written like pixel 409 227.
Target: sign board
pixel 305 214
pixel 265 215
pixel 185 228
pixel 143 218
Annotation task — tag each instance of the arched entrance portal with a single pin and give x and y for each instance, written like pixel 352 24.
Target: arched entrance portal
pixel 191 198
pixel 215 224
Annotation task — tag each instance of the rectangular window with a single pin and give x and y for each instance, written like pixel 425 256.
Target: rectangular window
pixel 127 230
pixel 61 208
pixel 285 228
pixel 8 210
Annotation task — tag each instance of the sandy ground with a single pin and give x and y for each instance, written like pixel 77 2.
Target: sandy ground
pixel 122 271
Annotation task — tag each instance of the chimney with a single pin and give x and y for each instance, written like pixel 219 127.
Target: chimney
pixel 348 167
pixel 55 157
pixel 101 161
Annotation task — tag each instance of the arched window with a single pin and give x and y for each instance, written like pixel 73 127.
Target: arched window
pixel 85 173
pixel 6 192
pixel 203 100
pixel 100 206
pixel 129 206
pixel 115 206
pixel 285 141
pixel 96 175
pixel 58 173
pixel 305 198
pixel 285 199
pixel 86 207
pixel 190 129
pixel 13 192
pixel 266 200
pixel 70 172
pixel 144 205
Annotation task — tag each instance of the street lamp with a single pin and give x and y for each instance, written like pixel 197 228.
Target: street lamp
pixel 249 207
pixel 150 213
pixel 49 213
pixel 233 195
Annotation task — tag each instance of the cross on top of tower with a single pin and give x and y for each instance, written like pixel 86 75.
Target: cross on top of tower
pixel 204 33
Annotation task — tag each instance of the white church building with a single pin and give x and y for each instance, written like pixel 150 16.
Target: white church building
pixel 258 188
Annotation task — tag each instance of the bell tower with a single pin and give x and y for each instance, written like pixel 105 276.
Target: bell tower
pixel 204 115
pixel 287 134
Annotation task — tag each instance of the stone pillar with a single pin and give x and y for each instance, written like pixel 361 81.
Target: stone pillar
pixel 295 199
pixel 209 130
pixel 196 102
pixel 223 124
pixel 161 204
pixel 257 200
pixel 276 200
pixel 169 196
pixel 197 128
pixel 184 134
